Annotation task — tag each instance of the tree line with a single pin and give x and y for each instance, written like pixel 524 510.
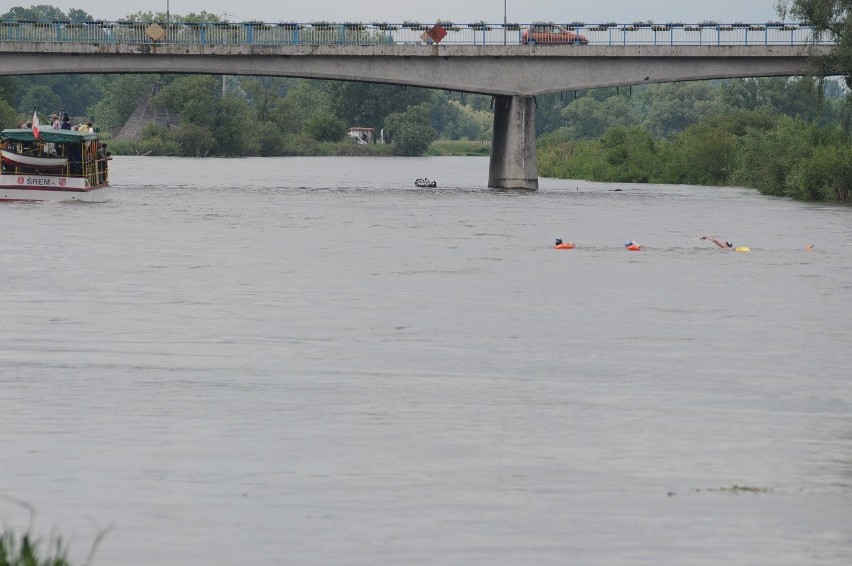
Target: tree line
pixel 786 137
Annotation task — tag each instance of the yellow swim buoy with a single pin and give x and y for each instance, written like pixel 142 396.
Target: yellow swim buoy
pixel 742 249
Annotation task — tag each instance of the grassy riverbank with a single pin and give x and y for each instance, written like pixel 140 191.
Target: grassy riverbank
pixel 459 148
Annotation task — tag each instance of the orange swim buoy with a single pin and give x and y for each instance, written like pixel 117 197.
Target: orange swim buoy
pixel 565 246
pixel 634 247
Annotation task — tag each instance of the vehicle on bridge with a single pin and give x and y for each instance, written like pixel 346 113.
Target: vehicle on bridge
pixel 552 34
pixel 55 165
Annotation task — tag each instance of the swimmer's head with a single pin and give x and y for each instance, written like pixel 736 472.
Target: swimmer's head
pixel 729 244
pixel 558 241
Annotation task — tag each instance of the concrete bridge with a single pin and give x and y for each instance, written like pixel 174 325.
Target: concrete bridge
pixel 514 73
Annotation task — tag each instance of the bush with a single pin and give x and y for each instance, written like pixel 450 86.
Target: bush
pixel 411 131
pixel 194 141
pixel 825 175
pixel 325 127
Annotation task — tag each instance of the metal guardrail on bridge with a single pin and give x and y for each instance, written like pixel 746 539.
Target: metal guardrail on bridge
pixel 408 33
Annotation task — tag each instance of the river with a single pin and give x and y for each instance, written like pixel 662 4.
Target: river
pixel 310 361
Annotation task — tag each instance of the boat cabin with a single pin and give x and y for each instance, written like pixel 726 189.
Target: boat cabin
pixel 55 158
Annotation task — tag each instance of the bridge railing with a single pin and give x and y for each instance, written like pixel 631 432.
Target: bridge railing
pixel 407 33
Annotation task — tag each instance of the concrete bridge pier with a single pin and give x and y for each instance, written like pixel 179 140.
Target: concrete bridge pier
pixel 513 156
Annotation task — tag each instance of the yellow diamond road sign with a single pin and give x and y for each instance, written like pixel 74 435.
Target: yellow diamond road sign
pixel 155 32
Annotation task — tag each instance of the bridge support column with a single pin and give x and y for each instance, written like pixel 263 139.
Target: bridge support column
pixel 513 156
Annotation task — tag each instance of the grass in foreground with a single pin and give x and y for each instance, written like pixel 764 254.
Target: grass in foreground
pixel 22 551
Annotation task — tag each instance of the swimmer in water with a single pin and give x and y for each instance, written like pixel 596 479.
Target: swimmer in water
pixel 721 244
pixel 808 248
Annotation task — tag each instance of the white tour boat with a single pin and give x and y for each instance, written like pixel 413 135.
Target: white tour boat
pixel 57 165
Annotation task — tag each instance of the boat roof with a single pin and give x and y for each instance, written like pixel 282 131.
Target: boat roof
pixel 48 134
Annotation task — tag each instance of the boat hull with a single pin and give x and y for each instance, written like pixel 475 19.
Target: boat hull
pixel 42 187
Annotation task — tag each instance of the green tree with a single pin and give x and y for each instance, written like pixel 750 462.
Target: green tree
pixel 234 128
pixel 700 155
pixel 368 104
pixel 194 98
pixel 307 98
pixel 77 93
pixel 40 12
pixel 121 96
pixel 9 117
pixel 589 118
pixel 834 17
pixel 41 98
pixel 156 140
pixel 630 153
pixel 194 141
pixel 8 89
pixel 824 175
pixel 79 16
pixel 445 116
pixel 411 131
pixel 325 126
pixel 670 108
pixel 149 16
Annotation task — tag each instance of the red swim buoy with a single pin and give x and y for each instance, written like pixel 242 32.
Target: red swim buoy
pixel 634 247
pixel 566 246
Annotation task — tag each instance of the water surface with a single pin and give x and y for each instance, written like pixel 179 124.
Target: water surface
pixel 309 361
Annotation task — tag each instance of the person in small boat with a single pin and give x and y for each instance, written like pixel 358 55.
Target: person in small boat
pixel 721 244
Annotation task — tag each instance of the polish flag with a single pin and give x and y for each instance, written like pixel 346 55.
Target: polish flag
pixel 35 125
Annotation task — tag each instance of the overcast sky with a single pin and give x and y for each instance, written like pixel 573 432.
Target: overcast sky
pixel 459 11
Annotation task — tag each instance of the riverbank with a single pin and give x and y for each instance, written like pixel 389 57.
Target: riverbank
pixel 345 148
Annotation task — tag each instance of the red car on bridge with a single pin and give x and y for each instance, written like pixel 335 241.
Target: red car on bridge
pixel 550 34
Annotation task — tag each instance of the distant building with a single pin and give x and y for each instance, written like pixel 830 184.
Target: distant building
pixel 363 135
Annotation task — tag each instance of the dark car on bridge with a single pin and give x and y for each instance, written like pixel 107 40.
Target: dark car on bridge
pixel 552 34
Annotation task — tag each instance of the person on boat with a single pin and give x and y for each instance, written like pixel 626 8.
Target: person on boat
pixel 54 121
pixel 66 122
pixel 721 244
pixel 103 157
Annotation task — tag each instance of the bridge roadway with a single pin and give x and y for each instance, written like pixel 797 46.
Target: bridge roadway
pixel 513 74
